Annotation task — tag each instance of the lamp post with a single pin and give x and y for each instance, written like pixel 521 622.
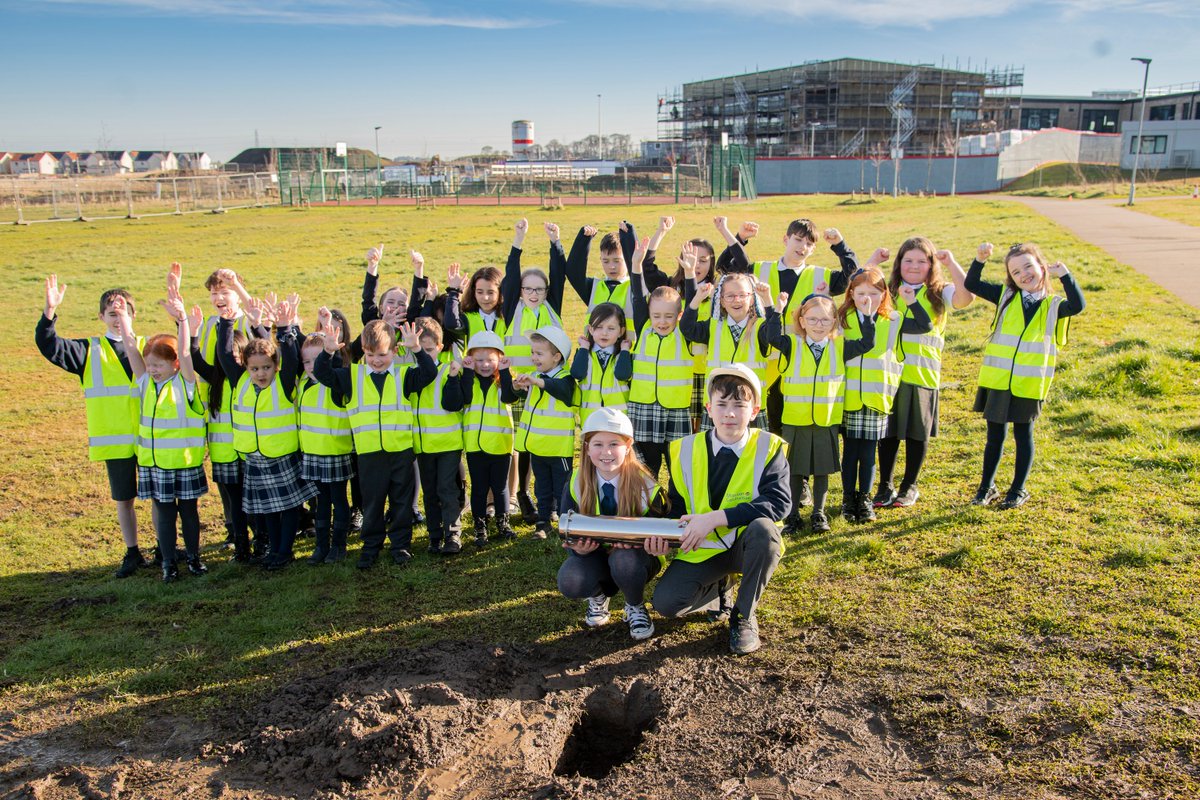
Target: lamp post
pixel 378 167
pixel 599 135
pixel 1137 149
pixel 954 170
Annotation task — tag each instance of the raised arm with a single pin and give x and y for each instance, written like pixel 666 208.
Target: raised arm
pixel 69 354
pixel 575 265
pixel 973 281
pixel 136 363
pixel 637 293
pixel 963 296
pixel 1074 304
pixel 510 286
pixel 370 311
pixel 838 281
pixel 229 365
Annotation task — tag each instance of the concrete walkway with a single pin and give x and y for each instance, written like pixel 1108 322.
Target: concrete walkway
pixel 1165 251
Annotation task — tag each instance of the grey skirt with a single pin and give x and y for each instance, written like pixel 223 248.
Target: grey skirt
pixel 914 413
pixel 812 449
pixel 1000 406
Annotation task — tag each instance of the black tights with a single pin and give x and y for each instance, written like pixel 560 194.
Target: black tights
pixel 858 467
pixel 236 522
pixel 820 488
pixel 332 504
pixel 524 471
pixel 165 515
pixel 280 528
pixel 914 458
pixel 1023 436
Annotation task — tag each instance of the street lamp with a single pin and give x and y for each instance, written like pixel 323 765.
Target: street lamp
pixel 378 167
pixel 599 135
pixel 1137 149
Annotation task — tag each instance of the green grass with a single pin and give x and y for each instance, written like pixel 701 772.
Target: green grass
pixel 1042 637
pixel 1183 209
pixel 1083 181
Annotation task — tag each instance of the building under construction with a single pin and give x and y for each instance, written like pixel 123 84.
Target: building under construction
pixel 845 107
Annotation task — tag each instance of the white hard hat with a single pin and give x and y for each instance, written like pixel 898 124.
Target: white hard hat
pixel 737 371
pixel 608 420
pixel 557 337
pixel 486 339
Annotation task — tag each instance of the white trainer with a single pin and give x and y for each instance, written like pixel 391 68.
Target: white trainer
pixel 638 618
pixel 597 613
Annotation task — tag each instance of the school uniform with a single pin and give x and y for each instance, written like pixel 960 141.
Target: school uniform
pixel 546 431
pixel 731 342
pixel 487 438
pixel 438 443
pixel 602 375
pixel 594 291
pixel 326 445
pixel 654 277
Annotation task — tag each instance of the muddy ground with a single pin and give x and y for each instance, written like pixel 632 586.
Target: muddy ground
pixel 594 717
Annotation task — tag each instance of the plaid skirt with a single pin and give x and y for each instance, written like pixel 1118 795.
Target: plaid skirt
pixel 326 469
pixel 697 396
pixel 274 484
pixel 169 485
pixel 864 424
pixel 760 422
pixel 227 472
pixel 517 407
pixel 653 423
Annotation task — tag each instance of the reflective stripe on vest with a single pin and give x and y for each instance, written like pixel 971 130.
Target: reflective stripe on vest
pixel 921 353
pixel 476 324
pixel 380 421
pixel 722 352
pixel 110 401
pixel 516 342
pixel 1020 358
pixel 220 427
pixel 264 421
pixel 434 429
pixel 662 370
pixel 812 392
pixel 547 427
pixel 689 472
pixel 487 422
pixel 324 425
pixel 700 351
pixel 171 430
pixel 872 380
pixel 619 295
pixel 807 281
pixel 600 388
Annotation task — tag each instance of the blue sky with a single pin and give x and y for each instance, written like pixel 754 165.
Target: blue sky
pixel 449 77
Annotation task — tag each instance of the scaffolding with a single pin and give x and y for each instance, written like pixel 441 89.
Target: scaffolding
pixel 838 108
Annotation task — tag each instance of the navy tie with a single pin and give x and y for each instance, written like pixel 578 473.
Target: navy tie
pixel 608 500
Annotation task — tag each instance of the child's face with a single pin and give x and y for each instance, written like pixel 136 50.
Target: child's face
pixel 225 301
pixel 914 266
pixel 545 356
pixel 664 316
pixel 865 293
pixel 613 265
pixel 737 298
pixel 487 294
pixel 379 359
pixel 262 370
pixel 798 246
pixel 533 290
pixel 606 332
pixel 160 369
pixel 112 319
pixel 308 357
pixel 487 361
pixel 1026 272
pixel 431 346
pixel 608 452
pixel 394 305
pixel 817 322
pixel 730 415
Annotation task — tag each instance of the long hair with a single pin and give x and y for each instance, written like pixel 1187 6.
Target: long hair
pixel 217 389
pixel 756 309
pixel 468 303
pixel 934 281
pixel 633 496
pixel 700 244
pixel 344 337
pixel 815 300
pixel 603 312
pixel 1025 248
pixel 874 277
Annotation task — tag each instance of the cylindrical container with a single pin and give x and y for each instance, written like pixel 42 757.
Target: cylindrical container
pixel 522 137
pixel 626 530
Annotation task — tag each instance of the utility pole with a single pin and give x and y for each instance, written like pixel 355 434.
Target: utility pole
pixel 1137 148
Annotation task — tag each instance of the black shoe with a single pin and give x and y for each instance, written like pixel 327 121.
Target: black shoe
pixel 170 571
pixel 907 497
pixel 435 544
pixel 401 557
pixel 276 563
pixel 318 557
pixel 308 533
pixel 849 511
pixel 504 529
pixel 196 566
pixel 793 525
pixel 819 522
pixel 481 537
pixel 804 497
pixel 366 560
pixel 156 559
pixel 452 545
pixel 130 563
pixel 743 634
pixel 240 557
pixel 528 512
pixel 863 507
pixel 885 496
pixel 1012 501
pixel 985 497
pixel 725 594
pixel 336 555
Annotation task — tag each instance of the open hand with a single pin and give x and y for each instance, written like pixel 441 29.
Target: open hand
pixel 1058 269
pixel 54 295
pixel 455 278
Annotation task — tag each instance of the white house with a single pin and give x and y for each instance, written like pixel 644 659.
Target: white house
pixel 194 162
pixel 1165 144
pixel 68 162
pixel 35 164
pixel 152 161
pixel 6 159
pixel 108 162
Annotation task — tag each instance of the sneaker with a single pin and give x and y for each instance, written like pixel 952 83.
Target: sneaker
pixel 1012 501
pixel 451 545
pixel 366 560
pixel 504 528
pixel 528 512
pixel 401 557
pixel 864 508
pixel 743 634
pixel 435 544
pixel 793 525
pixel 318 557
pixel 985 497
pixel 885 496
pixel 849 511
pixel 597 613
pixel 481 537
pixel 640 625
pixel 356 520
pixel 725 596
pixel 418 518
pixel 130 563
pixel 819 522
pixel 336 555
pixel 804 497
pixel 907 497
pixel 491 509
pixel 541 531
pixel 278 562
pixel 170 571
pixel 196 566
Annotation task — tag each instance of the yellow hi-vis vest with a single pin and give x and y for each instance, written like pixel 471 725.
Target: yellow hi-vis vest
pixel 487 422
pixel 662 370
pixel 111 402
pixel 619 295
pixel 547 427
pixel 722 352
pixel 324 425
pixel 689 472
pixel 380 421
pixel 600 387
pixel 516 340
pixel 806 284
pixel 434 429
pixel 700 351
pixel 1020 358
pixel 208 344
pixel 872 380
pixel 220 427
pixel 476 324
pixel 812 392
pixel 922 352
pixel 171 428
pixel 650 490
pixel 264 421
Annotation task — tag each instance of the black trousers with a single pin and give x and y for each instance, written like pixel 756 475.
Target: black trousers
pixel 654 455
pixel 236 521
pixel 775 408
pixel 387 479
pixel 489 473
pixel 332 507
pixel 445 493
pixel 550 475
pixel 688 586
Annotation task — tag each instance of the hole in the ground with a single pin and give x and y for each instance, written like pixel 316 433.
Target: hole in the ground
pixel 610 730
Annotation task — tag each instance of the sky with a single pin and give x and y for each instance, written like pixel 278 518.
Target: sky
pixel 448 77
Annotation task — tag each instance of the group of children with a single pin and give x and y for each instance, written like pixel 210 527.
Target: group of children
pixel 753 381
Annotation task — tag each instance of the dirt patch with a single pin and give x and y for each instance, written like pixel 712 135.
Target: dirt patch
pixel 465 720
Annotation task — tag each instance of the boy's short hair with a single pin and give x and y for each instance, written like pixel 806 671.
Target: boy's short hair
pixel 313 340
pixel 428 327
pixel 666 294
pixel 215 281
pixel 378 334
pixel 610 243
pixel 731 387
pixel 804 227
pixel 111 295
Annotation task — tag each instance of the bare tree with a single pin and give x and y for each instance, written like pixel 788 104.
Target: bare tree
pixel 878 154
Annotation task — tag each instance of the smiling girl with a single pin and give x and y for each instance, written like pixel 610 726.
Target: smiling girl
pixel 603 366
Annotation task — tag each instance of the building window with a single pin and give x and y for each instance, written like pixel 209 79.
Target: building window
pixel 1034 119
pixel 1151 145
pixel 1162 113
pixel 1100 120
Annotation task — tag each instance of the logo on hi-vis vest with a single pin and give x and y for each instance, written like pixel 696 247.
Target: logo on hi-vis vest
pixel 735 498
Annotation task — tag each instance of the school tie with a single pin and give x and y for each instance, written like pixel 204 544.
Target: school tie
pixel 603 356
pixel 735 331
pixel 817 350
pixel 608 500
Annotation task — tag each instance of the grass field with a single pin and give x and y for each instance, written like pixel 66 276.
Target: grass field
pixel 1084 181
pixel 1183 209
pixel 1060 639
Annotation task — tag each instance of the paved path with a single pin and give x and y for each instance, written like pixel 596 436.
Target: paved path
pixel 1163 250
